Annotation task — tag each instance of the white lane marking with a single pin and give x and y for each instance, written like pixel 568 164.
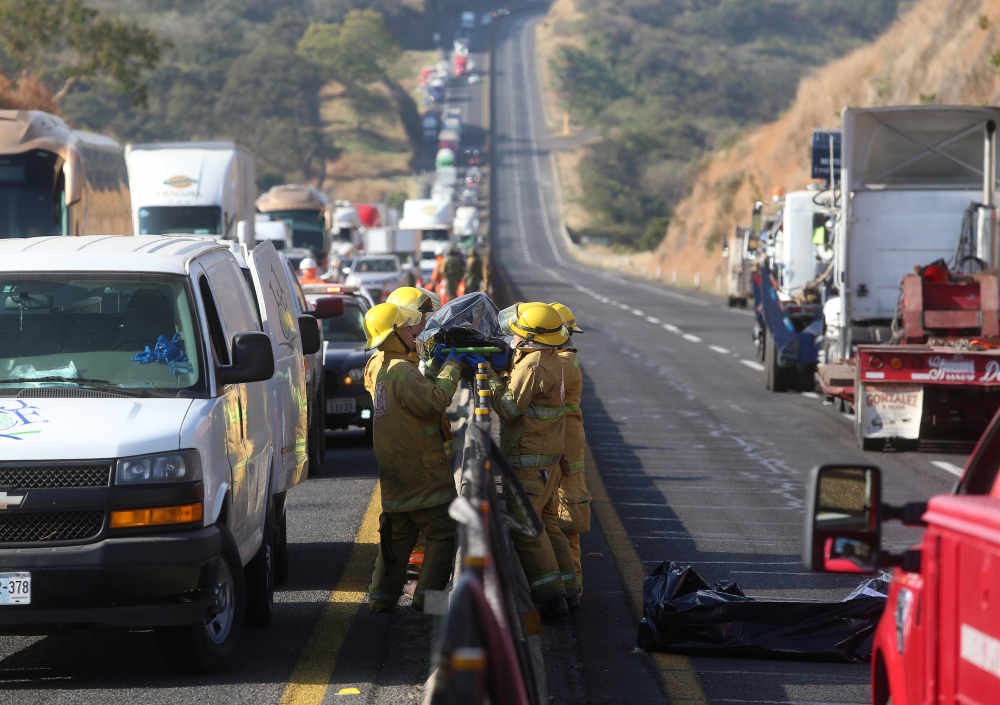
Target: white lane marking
pixel 637 312
pixel 692 338
pixel 716 348
pixel 847 417
pixel 654 321
pixel 809 395
pixel 624 307
pixel 672 329
pixel 753 365
pixel 949 467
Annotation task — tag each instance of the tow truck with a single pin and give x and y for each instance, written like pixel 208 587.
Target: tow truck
pixel 938 640
pixel 914 337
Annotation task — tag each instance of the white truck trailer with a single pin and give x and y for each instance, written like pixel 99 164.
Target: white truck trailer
pixel 202 188
pixel 434 220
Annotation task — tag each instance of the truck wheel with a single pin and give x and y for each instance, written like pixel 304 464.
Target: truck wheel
pixel 259 576
pixel 315 452
pixel 732 302
pixel 805 377
pixel 209 646
pixel 874 444
pixel 281 548
pixel 776 377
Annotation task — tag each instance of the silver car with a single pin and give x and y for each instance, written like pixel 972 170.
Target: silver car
pixel 376 275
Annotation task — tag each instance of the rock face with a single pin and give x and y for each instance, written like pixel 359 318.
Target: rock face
pixel 938 52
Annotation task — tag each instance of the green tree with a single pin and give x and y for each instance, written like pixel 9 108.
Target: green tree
pixel 68 40
pixel 357 51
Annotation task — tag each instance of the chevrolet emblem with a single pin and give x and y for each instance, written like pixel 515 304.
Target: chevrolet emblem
pixel 7 501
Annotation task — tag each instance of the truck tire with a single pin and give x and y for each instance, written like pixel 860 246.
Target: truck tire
pixel 805 377
pixel 776 377
pixel 732 302
pixel 281 547
pixel 209 646
pixel 259 576
pixel 873 444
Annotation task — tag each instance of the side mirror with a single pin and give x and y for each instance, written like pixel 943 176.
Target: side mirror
pixel 73 172
pixel 328 307
pixel 843 523
pixel 309 330
pixel 253 360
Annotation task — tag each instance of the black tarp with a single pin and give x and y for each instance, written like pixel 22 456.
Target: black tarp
pixel 466 321
pixel 683 613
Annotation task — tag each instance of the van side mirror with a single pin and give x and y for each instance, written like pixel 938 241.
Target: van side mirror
pixel 843 523
pixel 74 175
pixel 253 360
pixel 309 330
pixel 328 307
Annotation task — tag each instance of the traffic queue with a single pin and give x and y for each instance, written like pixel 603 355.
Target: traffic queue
pixel 536 384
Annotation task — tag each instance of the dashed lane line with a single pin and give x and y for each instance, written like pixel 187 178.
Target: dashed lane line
pixel 753 365
pixel 654 321
pixel 949 467
pixel 692 338
pixel 716 348
pixel 637 312
pixel 671 328
pixel 311 677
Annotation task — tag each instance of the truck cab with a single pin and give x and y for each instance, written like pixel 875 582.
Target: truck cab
pixel 939 638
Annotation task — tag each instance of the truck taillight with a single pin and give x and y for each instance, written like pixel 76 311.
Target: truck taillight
pixel 896 363
pixel 917 363
pixel 875 362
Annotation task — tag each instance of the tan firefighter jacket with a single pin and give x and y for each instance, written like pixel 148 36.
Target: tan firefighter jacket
pixel 532 406
pixel 413 468
pixel 575 439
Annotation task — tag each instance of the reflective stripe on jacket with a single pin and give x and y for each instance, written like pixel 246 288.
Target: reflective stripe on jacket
pixel 413 467
pixel 575 438
pixel 532 406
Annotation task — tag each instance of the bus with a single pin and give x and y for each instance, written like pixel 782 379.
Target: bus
pixel 57 181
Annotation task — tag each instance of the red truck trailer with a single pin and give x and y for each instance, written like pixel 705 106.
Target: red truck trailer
pixel 938 642
pixel 461 65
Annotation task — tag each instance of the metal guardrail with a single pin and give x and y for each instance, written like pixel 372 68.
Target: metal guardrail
pixel 489 645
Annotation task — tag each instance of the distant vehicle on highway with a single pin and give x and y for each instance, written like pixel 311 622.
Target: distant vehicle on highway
pixel 468 20
pixel 277 232
pixel 304 208
pixel 431 125
pixel 202 188
pixel 486 20
pixel 378 275
pixel 474 78
pixel 60 181
pixel 472 157
pixel 470 197
pixel 436 90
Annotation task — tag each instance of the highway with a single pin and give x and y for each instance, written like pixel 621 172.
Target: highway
pixel 700 463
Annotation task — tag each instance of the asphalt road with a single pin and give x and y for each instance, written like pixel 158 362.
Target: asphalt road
pixel 701 464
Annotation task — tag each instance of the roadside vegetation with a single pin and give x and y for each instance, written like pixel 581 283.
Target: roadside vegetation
pixel 665 81
pixel 269 73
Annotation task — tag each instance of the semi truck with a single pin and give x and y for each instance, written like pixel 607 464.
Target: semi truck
pixel 938 640
pixel 913 339
pixel 434 220
pixel 201 188
pixel 461 64
pixel 788 300
pixel 303 207
pixel 741 255
pixel 59 181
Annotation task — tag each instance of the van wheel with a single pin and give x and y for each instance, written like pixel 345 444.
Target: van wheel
pixel 259 576
pixel 281 548
pixel 209 646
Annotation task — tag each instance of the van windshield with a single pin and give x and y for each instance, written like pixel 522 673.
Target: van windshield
pixel 32 202
pixel 166 220
pixel 99 326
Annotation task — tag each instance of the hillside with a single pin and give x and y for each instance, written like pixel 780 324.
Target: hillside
pixel 939 51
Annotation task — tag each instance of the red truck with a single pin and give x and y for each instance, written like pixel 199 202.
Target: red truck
pixel 461 65
pixel 938 642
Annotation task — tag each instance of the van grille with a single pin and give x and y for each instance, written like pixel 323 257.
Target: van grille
pixel 50 527
pixel 40 477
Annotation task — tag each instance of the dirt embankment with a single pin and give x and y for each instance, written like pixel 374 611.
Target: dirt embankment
pixel 938 52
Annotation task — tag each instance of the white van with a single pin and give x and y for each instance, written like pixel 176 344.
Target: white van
pixel 144 464
pixel 277 232
pixel 203 188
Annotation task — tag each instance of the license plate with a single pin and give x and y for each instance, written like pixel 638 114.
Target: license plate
pixel 15 588
pixel 340 406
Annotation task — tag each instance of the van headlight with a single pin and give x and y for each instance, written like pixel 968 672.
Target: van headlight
pixel 173 466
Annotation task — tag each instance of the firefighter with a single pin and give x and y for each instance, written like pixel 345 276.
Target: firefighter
pixel 307 271
pixel 437 275
pixel 574 497
pixel 474 272
pixel 454 270
pixel 414 473
pixel 533 441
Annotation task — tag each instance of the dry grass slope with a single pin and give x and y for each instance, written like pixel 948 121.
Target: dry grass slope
pixel 937 52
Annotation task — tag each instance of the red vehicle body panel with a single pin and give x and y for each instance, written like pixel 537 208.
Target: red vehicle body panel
pixel 461 62
pixel 369 215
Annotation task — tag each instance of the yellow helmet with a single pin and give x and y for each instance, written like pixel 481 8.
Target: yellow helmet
pixel 382 320
pixel 536 322
pixel 567 317
pixel 414 297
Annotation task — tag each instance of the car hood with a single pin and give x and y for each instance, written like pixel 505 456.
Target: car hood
pixel 83 429
pixel 374 277
pixel 345 356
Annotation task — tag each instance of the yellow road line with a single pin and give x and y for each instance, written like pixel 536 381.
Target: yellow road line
pixel 311 676
pixel 674 672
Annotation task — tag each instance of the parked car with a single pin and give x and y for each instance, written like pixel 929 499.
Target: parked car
pixel 137 392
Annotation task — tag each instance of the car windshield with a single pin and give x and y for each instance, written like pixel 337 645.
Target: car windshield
pixel 348 328
pixel 164 220
pixel 375 265
pixel 31 195
pixel 98 326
